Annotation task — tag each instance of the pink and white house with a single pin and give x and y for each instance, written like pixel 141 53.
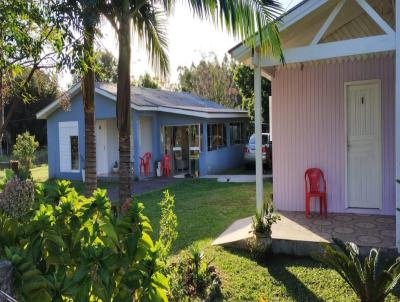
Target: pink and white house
pixel 335 104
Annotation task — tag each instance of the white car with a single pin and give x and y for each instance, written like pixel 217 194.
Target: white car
pixel 249 150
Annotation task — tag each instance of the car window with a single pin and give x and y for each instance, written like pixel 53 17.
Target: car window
pixel 265 139
pixel 252 140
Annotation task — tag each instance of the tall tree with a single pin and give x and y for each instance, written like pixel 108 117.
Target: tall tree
pixel 147 19
pixel 33 37
pixel 212 80
pixel 41 91
pixel 251 20
pixel 105 69
pixel 244 80
pixel 148 81
pixel 90 19
pixel 84 15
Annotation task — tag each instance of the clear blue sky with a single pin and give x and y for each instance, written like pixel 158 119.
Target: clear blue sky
pixel 190 40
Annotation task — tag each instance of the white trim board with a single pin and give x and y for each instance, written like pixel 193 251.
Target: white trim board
pixel 337 49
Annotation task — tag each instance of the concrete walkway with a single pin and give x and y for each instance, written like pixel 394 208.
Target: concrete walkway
pixel 296 235
pixel 235 178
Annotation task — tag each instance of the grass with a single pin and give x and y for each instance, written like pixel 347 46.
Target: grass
pixel 205 208
pixel 39 173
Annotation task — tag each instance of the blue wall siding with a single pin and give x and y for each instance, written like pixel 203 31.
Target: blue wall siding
pixel 104 109
pixel 210 161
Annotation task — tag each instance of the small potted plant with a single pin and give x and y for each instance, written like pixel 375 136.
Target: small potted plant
pixel 115 167
pixel 261 243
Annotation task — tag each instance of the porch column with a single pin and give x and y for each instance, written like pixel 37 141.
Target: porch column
pixel 397 126
pixel 258 135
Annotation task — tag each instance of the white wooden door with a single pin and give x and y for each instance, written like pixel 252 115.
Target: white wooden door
pixel 363 145
pixel 145 135
pixel 101 147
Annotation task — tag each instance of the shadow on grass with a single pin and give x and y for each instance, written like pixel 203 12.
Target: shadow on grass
pixel 277 267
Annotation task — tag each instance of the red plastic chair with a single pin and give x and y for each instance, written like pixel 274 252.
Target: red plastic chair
pixel 165 165
pixel 145 164
pixel 315 186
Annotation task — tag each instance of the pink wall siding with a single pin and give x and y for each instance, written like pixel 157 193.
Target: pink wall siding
pixel 309 130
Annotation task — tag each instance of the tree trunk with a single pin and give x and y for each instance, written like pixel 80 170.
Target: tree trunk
pixel 14 104
pixel 123 104
pixel 89 109
pixel 1 110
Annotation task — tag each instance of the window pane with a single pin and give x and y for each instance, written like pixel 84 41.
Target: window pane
pixel 237 133
pixel 74 153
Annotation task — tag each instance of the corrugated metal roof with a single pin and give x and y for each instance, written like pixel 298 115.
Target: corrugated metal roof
pixel 163 98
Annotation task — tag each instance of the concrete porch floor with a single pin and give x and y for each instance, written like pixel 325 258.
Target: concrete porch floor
pixel 296 235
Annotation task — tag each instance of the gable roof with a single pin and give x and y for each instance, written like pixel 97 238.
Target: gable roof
pixel 147 99
pixel 317 24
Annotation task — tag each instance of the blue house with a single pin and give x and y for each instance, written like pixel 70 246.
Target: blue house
pixel 201 137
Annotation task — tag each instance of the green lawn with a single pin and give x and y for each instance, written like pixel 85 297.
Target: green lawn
pixel 206 208
pixel 39 173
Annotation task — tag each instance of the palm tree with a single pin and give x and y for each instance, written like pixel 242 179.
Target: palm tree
pixel 148 21
pixel 368 282
pixel 84 16
pixel 242 18
pixel 90 20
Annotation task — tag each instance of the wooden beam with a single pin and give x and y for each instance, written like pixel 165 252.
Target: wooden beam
pixel 243 51
pixel 334 50
pixel 375 16
pixel 328 22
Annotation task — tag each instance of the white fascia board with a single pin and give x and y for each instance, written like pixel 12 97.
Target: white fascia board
pixel 53 106
pixel 243 51
pixel 299 13
pixel 337 49
pixel 206 115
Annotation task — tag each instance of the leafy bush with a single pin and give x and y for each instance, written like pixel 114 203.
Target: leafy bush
pixel 370 283
pixel 24 150
pixel 263 221
pixel 168 225
pixel 17 197
pixel 8 174
pixel 74 248
pixel 193 279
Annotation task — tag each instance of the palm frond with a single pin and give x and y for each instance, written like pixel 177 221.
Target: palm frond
pixel 253 21
pixel 365 280
pixel 150 25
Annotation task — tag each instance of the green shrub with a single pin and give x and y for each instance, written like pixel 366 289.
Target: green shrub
pixel 168 225
pixel 369 281
pixel 17 197
pixel 8 174
pixel 193 279
pixel 24 150
pixel 73 248
pixel 263 221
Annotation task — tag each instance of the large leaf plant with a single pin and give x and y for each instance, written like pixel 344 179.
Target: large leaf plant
pixel 370 280
pixel 73 248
